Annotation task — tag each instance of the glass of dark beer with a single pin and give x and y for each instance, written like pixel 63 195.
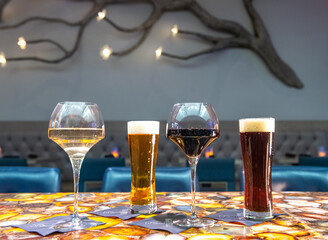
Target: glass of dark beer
pixel 143 147
pixel 256 137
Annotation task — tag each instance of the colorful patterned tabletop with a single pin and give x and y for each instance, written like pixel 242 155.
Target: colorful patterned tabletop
pixel 300 216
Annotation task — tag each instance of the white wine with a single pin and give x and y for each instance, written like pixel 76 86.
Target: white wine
pixel 76 141
pixel 76 127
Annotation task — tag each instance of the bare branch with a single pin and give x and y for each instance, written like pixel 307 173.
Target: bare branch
pixel 201 36
pixel 67 54
pixel 259 41
pixel 59 46
pixel 135 46
pixel 265 49
pixel 155 15
pixel 217 24
pixel 200 53
pixel 3 3
pixel 45 19
pixel 258 25
pixel 220 44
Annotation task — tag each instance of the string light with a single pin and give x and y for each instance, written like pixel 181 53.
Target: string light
pixel 158 52
pixel 174 30
pixel 21 43
pixel 3 60
pixel 101 15
pixel 105 52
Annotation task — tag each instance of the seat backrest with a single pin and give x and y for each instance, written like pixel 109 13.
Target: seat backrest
pixel 168 179
pixel 313 161
pixel 92 172
pixel 29 179
pixel 298 178
pixel 13 161
pixel 217 170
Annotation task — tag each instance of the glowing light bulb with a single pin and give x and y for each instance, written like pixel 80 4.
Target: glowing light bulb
pixel 158 52
pixel 174 30
pixel 3 60
pixel 21 43
pixel 101 15
pixel 105 52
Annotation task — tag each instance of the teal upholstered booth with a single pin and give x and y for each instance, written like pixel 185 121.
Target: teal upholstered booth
pixel 298 178
pixel 216 174
pixel 29 179
pixel 168 179
pixel 13 161
pixel 92 172
pixel 313 161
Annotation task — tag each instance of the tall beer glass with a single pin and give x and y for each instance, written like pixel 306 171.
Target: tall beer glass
pixel 143 146
pixel 256 137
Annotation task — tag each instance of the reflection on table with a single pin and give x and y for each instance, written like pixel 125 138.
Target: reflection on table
pixel 301 216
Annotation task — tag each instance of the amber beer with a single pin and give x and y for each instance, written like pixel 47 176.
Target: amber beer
pixel 256 137
pixel 143 146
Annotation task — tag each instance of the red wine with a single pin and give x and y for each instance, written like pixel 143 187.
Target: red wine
pixel 192 141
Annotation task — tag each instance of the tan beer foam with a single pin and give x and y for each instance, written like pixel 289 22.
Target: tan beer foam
pixel 257 125
pixel 143 127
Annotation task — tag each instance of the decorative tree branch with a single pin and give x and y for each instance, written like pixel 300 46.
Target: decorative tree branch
pixel 259 42
pixel 3 3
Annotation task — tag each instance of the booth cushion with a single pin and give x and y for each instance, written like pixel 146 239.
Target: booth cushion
pixel 298 178
pixel 313 161
pixel 92 172
pixel 168 179
pixel 29 179
pixel 13 161
pixel 216 174
pixel 30 140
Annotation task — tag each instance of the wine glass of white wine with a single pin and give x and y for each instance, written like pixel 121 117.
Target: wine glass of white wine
pixel 76 127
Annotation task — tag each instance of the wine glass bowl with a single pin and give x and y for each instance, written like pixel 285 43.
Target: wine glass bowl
pixel 76 127
pixel 193 126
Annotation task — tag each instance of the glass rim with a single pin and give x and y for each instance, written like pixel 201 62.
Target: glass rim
pixel 258 118
pixel 143 127
pixel 257 125
pixel 204 103
pixel 78 103
pixel 143 121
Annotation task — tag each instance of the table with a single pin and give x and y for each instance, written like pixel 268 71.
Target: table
pixel 303 216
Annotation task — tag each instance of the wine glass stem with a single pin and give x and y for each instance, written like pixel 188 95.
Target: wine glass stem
pixel 193 165
pixel 76 165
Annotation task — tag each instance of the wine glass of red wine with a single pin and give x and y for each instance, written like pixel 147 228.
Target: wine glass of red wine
pixel 193 126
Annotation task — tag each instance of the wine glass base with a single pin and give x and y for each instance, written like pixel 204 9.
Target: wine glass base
pixel 82 223
pixel 198 222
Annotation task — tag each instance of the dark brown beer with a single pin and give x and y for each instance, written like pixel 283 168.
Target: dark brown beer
pixel 143 153
pixel 257 158
pixel 256 138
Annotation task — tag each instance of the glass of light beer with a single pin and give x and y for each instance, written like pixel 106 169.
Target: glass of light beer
pixel 256 137
pixel 143 147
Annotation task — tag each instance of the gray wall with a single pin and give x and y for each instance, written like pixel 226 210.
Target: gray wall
pixel 138 86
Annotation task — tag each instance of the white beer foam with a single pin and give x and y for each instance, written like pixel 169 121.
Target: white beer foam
pixel 257 125
pixel 143 127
